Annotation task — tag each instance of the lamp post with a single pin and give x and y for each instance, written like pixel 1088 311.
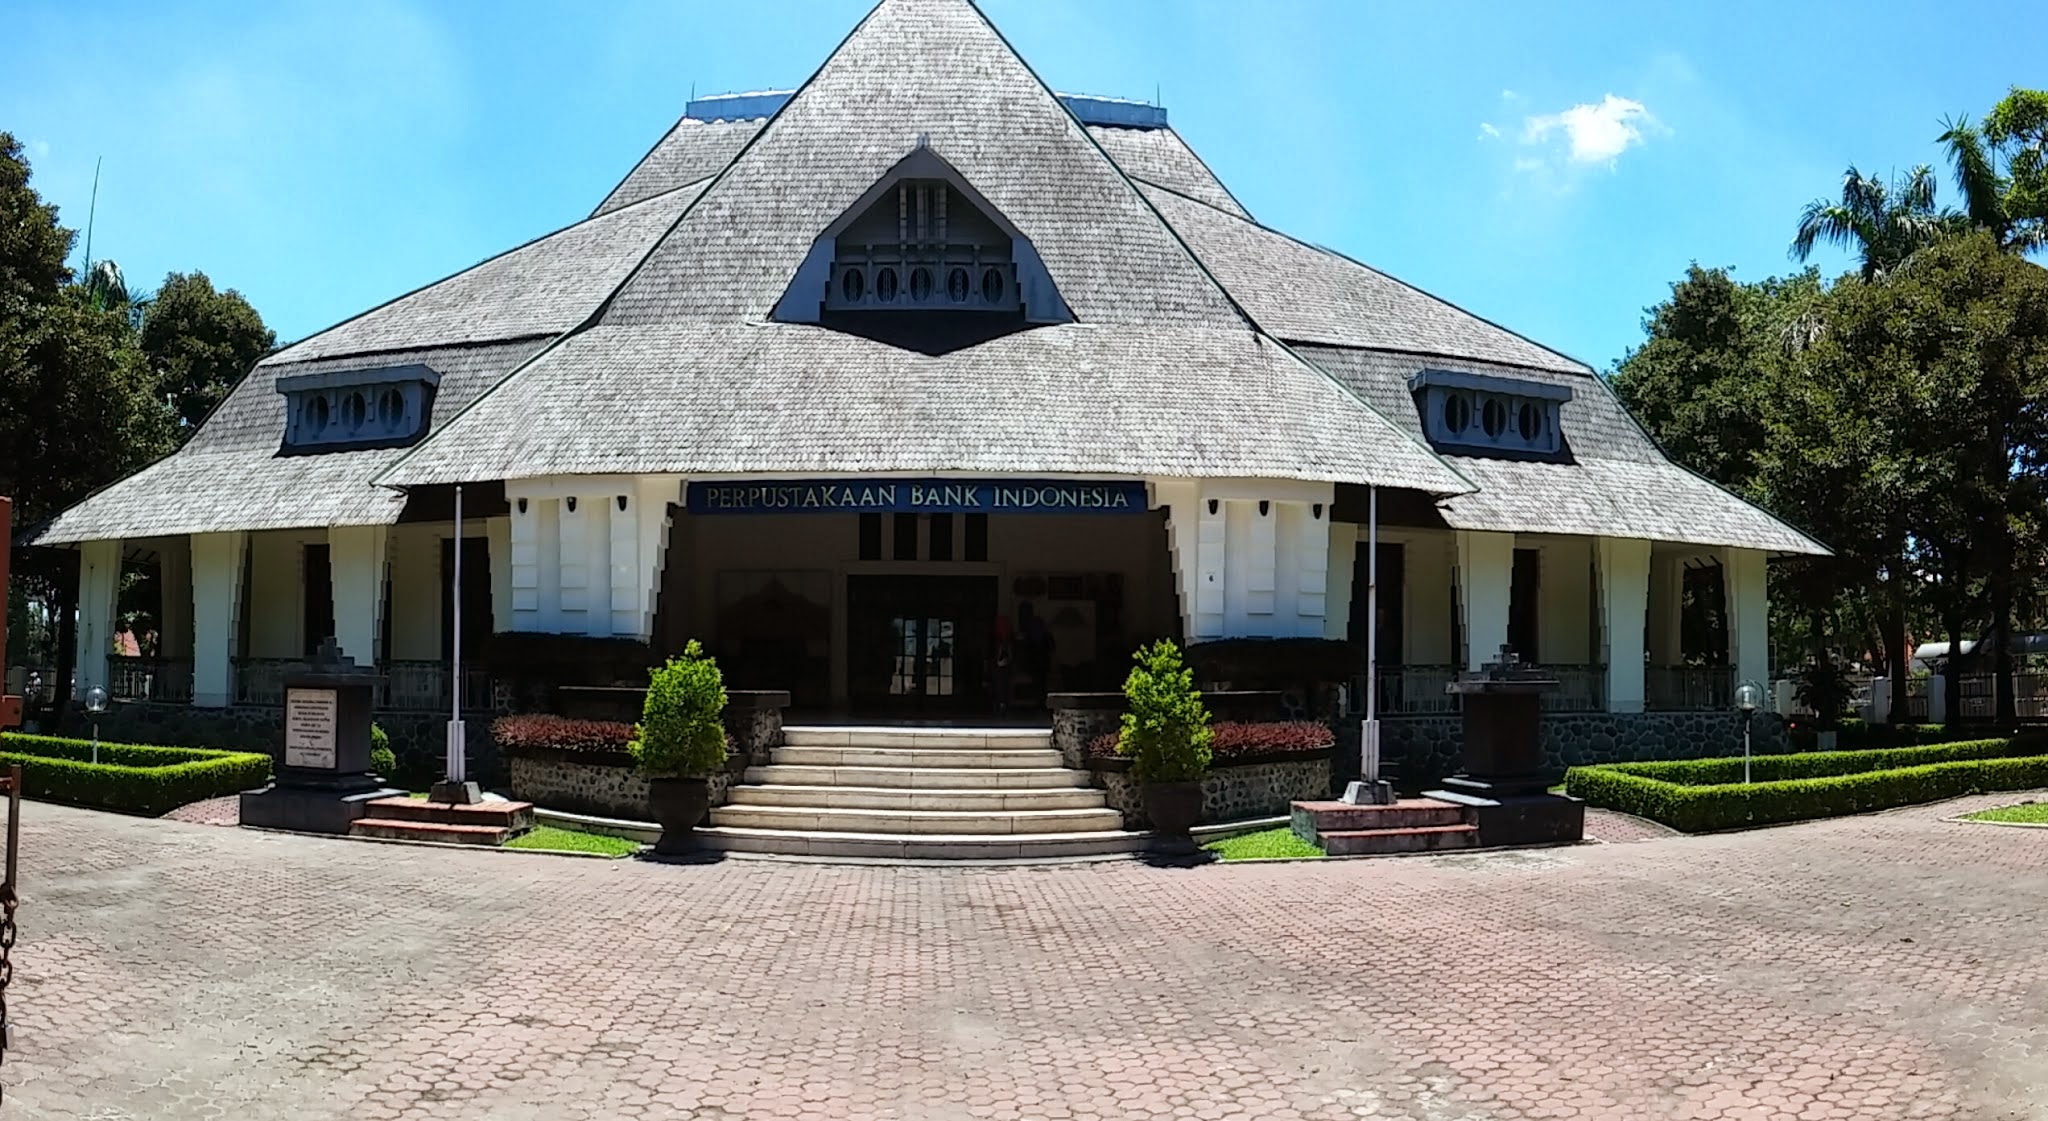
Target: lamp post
pixel 1749 696
pixel 95 704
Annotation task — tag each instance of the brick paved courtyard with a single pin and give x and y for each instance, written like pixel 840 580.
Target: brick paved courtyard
pixel 1876 967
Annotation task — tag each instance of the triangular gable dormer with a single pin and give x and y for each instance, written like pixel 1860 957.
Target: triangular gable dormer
pixel 922 242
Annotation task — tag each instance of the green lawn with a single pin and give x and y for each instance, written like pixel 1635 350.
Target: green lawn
pixel 2028 813
pixel 1262 845
pixel 552 839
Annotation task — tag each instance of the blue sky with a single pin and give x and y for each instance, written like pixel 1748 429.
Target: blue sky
pixel 1552 167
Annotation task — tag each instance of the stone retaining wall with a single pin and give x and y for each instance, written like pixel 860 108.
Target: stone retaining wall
pixel 1426 748
pixel 607 789
pixel 1229 793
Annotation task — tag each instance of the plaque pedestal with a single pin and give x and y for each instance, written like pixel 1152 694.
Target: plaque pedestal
pixel 324 783
pixel 1504 788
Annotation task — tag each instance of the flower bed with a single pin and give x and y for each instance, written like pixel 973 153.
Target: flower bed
pixel 1698 795
pixel 540 736
pixel 1238 744
pixel 131 778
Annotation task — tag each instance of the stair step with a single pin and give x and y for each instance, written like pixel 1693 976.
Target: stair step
pixel 405 830
pixel 900 822
pixel 1379 842
pixel 941 846
pixel 847 735
pixel 949 778
pixel 983 800
pixel 517 816
pixel 962 757
pixel 1332 817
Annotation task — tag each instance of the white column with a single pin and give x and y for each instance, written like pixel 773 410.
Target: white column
pixel 1937 698
pixel 416 594
pixel 1624 566
pixel 1486 563
pixel 498 532
pixel 99 579
pixel 1749 614
pixel 217 563
pixel 1301 568
pixel 359 556
pixel 1256 552
pixel 174 571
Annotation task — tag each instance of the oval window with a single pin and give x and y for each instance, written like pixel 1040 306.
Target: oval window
pixel 1529 421
pixel 390 409
pixel 354 411
pixel 314 415
pixel 853 284
pixel 885 285
pixel 1457 412
pixel 1493 417
pixel 920 284
pixel 992 286
pixel 956 286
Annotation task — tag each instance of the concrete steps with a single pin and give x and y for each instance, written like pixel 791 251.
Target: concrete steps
pixel 416 819
pixel 1409 825
pixel 917 794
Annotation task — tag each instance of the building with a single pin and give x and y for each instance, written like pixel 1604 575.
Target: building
pixel 914 384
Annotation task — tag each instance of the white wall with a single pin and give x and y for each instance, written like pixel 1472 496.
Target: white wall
pixel 1564 610
pixel 416 591
pixel 218 564
pixel 1251 556
pixel 1749 614
pixel 1485 571
pixel 277 592
pixel 587 552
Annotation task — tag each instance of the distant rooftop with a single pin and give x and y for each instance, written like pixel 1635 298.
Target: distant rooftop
pixel 1117 111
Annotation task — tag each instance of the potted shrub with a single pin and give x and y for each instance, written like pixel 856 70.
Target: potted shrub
pixel 1166 734
pixel 680 742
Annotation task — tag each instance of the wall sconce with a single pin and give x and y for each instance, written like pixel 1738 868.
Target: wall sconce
pixel 572 503
pixel 622 503
pixel 1264 507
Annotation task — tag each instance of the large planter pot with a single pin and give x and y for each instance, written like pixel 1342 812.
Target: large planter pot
pixel 1174 807
pixel 679 804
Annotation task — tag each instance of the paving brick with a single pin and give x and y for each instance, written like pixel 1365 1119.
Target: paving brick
pixel 1876 967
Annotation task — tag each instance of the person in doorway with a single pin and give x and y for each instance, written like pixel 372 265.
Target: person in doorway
pixel 1034 640
pixel 1003 672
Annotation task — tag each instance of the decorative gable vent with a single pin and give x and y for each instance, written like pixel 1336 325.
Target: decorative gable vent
pixel 921 240
pixel 1485 413
pixel 345 409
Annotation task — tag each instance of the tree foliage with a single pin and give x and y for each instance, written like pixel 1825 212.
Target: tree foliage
pixel 200 342
pixel 682 722
pixel 1166 729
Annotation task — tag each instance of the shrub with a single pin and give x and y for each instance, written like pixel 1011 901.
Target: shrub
pixel 131 778
pixel 516 734
pixel 1235 740
pixel 382 761
pixel 682 726
pixel 1166 729
pixel 1708 794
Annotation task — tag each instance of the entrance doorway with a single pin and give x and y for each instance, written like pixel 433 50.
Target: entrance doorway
pixel 919 643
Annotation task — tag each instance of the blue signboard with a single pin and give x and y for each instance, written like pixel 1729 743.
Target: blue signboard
pixel 918 496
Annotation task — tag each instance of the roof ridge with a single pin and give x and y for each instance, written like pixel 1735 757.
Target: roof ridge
pixel 1218 179
pixel 1382 274
pixel 527 244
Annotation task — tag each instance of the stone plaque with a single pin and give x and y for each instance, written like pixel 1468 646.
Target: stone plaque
pixel 309 728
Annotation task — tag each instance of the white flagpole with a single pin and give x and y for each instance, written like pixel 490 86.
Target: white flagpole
pixel 1369 742
pixel 456 763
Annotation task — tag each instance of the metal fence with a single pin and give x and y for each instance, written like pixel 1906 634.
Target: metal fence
pixel 1688 688
pixel 405 686
pixel 1421 690
pixel 166 680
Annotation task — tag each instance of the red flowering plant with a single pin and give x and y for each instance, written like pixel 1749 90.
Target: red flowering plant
pixel 542 732
pixel 1235 741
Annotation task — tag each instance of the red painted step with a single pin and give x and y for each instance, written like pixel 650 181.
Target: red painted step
pixel 1380 842
pixel 395 830
pixel 1408 813
pixel 515 816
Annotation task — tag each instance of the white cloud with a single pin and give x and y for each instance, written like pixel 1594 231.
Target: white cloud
pixel 1594 133
pixel 1488 132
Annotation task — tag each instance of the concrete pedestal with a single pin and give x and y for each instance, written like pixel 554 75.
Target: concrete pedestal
pixel 311 807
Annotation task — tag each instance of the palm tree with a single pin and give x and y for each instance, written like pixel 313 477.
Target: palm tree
pixel 1884 224
pixel 1986 187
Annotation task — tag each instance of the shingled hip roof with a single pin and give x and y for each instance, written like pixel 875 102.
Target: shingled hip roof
pixel 1191 340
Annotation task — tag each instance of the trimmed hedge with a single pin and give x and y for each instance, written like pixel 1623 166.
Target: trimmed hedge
pixel 131 778
pixel 1856 735
pixel 1707 794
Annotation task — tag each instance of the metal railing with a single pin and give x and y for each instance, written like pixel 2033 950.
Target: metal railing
pixel 418 686
pixel 1581 688
pixel 1688 688
pixel 166 680
pixel 406 686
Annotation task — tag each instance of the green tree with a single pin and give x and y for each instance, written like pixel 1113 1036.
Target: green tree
pixel 200 342
pixel 1883 224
